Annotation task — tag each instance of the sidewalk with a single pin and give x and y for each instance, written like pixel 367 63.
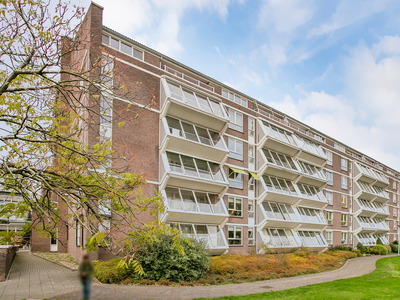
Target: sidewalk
pixel 32 277
pixel 354 267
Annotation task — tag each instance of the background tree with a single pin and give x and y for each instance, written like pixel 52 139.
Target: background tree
pixel 48 102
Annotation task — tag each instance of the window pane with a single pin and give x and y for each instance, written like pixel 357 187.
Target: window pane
pixel 115 43
pixel 126 48
pixel 174 126
pixel 138 54
pixel 105 39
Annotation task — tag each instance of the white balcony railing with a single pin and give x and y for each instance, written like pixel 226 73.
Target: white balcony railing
pixel 365 190
pixel 312 148
pixel 370 175
pixel 279 238
pixel 312 238
pixel 312 170
pixel 311 215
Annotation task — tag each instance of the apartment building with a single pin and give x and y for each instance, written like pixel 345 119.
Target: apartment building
pixel 234 172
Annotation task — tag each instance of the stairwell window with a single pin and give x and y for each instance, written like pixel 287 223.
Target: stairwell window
pixel 251 154
pixel 235 207
pixel 344 220
pixel 343 181
pixel 251 124
pixel 329 217
pixel 250 236
pixel 250 209
pixel 329 177
pixel 394 225
pixel 343 162
pixel 235 237
pixel 235 149
pixel 235 120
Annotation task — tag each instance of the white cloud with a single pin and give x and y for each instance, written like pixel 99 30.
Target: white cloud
pixel 274 55
pixel 347 13
pixel 156 23
pixel 256 78
pixel 366 115
pixel 285 15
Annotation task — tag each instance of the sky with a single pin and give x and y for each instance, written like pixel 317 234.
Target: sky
pixel 334 65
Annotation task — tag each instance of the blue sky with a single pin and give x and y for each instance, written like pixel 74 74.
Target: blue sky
pixel 335 65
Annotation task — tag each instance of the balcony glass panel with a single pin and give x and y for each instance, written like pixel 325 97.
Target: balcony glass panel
pixel 215 236
pixel 204 105
pixel 189 200
pixel 202 233
pixel 190 132
pixel 174 162
pixel 174 198
pixel 190 98
pixel 217 108
pixel 176 91
pixel 310 146
pixel 280 237
pixel 203 168
pixel 217 139
pixel 203 135
pixel 311 238
pixel 216 203
pixel 174 127
pixel 279 134
pixel 202 202
pixel 216 171
pixel 279 211
pixel 311 170
pixel 189 166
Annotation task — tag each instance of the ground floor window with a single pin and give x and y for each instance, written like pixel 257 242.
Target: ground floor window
pixel 344 237
pixel 250 236
pixel 329 237
pixel 235 235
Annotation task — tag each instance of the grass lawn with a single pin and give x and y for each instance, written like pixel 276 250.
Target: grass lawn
pixel 62 258
pixel 383 283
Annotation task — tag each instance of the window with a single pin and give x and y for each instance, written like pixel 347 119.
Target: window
pixel 344 219
pixel 394 198
pixel 329 197
pixel 329 237
pixel 235 207
pixel 343 201
pixel 394 185
pixel 282 160
pixel 343 181
pixel 235 98
pixel 235 179
pixel 329 217
pixel 252 183
pixel 251 123
pixel 235 149
pixel 78 233
pixel 121 46
pixel 318 137
pixel 343 163
pixel 350 239
pixel 344 237
pixel 251 208
pixel 339 147
pixel 235 120
pixel 329 156
pixel 329 177
pixel 251 154
pixel 250 236
pixel 394 212
pixel 395 225
pixel 235 235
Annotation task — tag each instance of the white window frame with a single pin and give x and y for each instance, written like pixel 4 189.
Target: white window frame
pixel 235 98
pixel 237 180
pixel 234 153
pixel 329 217
pixel 394 212
pixel 250 208
pixel 233 120
pixel 394 185
pixel 330 177
pixel 343 237
pixel 329 237
pixel 330 198
pixel 251 126
pixel 339 147
pixel 133 49
pixel 343 164
pixel 250 232
pixel 232 211
pixel 343 219
pixel 318 137
pixel 343 200
pixel 235 229
pixel 329 161
pixel 251 153
pixel 343 182
pixel 394 198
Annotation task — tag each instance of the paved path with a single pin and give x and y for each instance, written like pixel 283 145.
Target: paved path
pixel 32 277
pixel 354 267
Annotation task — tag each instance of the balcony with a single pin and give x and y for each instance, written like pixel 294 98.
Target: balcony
pixel 278 238
pixel 364 224
pixel 192 173
pixel 381 225
pixel 312 175
pixel 277 189
pixel 310 151
pixel 276 164
pixel 312 239
pixel 276 139
pixel 372 193
pixel 312 218
pixel 193 206
pixel 212 236
pixel 383 238
pixel 185 102
pixel 370 239
pixel 369 209
pixel 273 214
pixel 311 196
pixel 181 136
pixel 370 176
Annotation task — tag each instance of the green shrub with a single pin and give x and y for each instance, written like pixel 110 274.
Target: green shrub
pixel 108 272
pixel 379 250
pixel 162 261
pixel 340 248
pixel 362 248
pixel 394 247
pixel 358 252
pixel 388 248
pixel 396 242
pixel 379 242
